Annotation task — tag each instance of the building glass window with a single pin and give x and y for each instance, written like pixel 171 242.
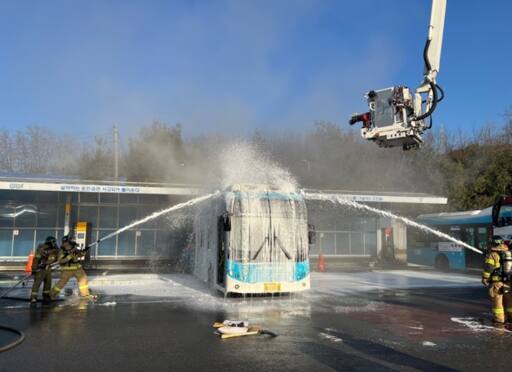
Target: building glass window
pixel 88 214
pixel 6 216
pixel 164 243
pixel 370 242
pixel 108 218
pixel 93 237
pixel 23 242
pixel 342 243
pixel 127 215
pixel 356 243
pixel 128 199
pixel 327 241
pixel 313 248
pixel 5 242
pixel 59 234
pixel 108 246
pixel 41 235
pixel 47 197
pixel 19 197
pixel 343 224
pixel 25 216
pixel 145 243
pixel 144 212
pixel 126 243
pixel 106 198
pixel 89 197
pixel 47 216
pixel 150 199
pixel 167 221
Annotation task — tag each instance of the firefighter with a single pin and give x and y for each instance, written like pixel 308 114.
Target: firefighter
pixel 69 260
pixel 497 281
pixel 46 254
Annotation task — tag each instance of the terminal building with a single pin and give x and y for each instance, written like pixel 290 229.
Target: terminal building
pixel 32 209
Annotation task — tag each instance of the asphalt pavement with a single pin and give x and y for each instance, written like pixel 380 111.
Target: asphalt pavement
pixel 378 321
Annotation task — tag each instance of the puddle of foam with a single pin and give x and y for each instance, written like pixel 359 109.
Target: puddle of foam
pixel 420 327
pixel 476 326
pixel 352 309
pixel 330 337
pixel 112 303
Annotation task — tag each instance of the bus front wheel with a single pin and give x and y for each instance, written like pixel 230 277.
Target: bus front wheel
pixel 442 263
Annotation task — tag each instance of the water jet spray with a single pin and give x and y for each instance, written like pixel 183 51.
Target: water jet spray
pixel 353 204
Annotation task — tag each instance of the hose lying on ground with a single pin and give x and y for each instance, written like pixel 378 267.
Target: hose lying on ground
pixel 15 343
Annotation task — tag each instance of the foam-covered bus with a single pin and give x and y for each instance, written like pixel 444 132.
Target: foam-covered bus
pixel 253 239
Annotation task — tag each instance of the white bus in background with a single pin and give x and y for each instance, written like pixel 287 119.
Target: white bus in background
pixel 253 239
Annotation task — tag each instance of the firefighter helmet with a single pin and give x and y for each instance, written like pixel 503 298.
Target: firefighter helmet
pixel 50 240
pixel 497 240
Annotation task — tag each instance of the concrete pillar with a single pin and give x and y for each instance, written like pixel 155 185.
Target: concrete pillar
pixel 379 242
pixel 67 215
pixel 400 241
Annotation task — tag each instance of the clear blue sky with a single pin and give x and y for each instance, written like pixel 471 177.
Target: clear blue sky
pixel 238 65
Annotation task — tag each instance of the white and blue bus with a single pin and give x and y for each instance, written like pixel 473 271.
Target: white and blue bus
pixel 475 228
pixel 253 239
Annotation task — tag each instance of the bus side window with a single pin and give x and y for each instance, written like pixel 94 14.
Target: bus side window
pixel 469 235
pixel 420 238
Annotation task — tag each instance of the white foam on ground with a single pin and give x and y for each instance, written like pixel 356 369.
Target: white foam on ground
pixel 338 283
pixel 419 328
pixel 477 326
pixel 371 307
pixel 185 289
pixel 330 337
pixel 112 303
pixel 323 285
pixel 428 343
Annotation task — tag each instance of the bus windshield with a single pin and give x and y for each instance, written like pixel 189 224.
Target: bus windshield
pixel 268 227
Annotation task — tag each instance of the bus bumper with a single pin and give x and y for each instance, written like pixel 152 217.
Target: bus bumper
pixel 236 286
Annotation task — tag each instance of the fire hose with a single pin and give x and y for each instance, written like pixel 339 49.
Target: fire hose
pixel 8 290
pixel 19 340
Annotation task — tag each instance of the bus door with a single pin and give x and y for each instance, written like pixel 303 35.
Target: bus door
pixel 223 229
pixel 484 237
pixel 470 236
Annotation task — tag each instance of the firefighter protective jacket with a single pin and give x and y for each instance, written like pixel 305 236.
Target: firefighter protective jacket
pixel 69 257
pixel 45 255
pixel 492 266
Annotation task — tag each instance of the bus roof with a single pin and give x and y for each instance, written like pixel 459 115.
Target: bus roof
pixel 268 195
pixel 254 187
pixel 463 218
pixel 483 216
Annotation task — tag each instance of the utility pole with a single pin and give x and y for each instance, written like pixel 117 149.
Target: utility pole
pixel 442 140
pixel 116 153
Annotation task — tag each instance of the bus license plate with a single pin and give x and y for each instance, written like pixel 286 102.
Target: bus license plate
pixel 272 287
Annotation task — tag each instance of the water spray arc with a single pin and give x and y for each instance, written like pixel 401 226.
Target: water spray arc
pixel 157 214
pixel 350 203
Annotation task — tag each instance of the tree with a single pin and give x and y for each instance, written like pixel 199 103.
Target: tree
pixel 34 150
pixel 96 162
pixel 156 155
